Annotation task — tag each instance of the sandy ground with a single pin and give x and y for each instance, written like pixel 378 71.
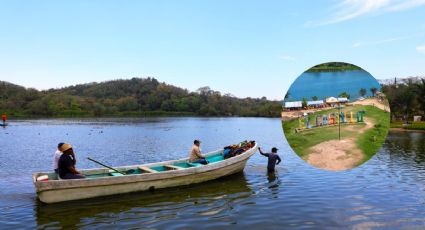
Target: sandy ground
pixel 374 102
pixel 337 154
pixel 368 125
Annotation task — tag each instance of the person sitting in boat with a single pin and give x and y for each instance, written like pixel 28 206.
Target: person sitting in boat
pixel 66 164
pixel 56 157
pixel 196 155
pixel 274 159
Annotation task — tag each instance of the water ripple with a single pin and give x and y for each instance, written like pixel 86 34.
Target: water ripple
pixel 386 192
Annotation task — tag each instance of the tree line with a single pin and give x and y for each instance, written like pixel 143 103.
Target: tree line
pixel 134 97
pixel 406 98
pixel 333 67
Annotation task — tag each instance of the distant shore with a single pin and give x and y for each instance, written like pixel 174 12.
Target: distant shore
pixel 132 115
pixel 333 67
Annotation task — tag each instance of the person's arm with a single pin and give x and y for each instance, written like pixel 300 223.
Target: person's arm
pixel 73 170
pixel 73 158
pixel 278 160
pixel 197 152
pixel 70 166
pixel 261 152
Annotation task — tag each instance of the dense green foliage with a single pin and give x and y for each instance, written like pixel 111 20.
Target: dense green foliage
pixel 134 97
pixel 344 94
pixel 406 98
pixel 333 67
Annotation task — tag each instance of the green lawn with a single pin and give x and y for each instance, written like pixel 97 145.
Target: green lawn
pixel 372 139
pixel 369 141
pixel 413 126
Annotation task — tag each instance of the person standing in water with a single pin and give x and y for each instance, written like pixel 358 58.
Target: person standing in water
pixel 274 159
pixel 4 118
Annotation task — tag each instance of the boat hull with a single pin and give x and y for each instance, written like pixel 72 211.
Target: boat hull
pixel 67 190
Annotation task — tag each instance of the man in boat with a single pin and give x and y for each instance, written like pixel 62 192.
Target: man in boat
pixel 66 164
pixel 196 155
pixel 274 159
pixel 56 157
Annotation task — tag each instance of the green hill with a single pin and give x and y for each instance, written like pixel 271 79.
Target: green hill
pixel 133 97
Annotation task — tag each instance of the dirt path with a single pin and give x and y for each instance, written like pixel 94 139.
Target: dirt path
pixel 355 128
pixel 374 102
pixel 338 154
pixel 335 155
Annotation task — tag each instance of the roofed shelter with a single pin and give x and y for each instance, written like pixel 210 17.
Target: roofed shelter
pixel 293 105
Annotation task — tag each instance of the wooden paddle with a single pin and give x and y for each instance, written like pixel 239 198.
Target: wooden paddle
pixel 97 162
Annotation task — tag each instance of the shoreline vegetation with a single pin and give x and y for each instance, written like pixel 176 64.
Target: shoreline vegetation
pixel 134 97
pixel 333 67
pixel 407 102
pixel 414 126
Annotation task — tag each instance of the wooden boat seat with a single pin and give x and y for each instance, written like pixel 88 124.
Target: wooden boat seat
pixel 173 167
pixel 146 169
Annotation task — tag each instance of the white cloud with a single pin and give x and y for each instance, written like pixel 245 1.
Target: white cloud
pixel 350 9
pixel 421 49
pixel 287 58
pixel 367 43
pixel 387 40
pixel 406 5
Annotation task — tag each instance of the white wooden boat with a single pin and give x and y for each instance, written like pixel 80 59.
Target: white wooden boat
pixel 104 182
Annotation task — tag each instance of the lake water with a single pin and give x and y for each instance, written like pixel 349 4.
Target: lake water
pixel 386 192
pixel 331 84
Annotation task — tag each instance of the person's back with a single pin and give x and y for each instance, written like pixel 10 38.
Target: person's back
pixel 66 164
pixel 195 152
pixel 56 157
pixel 65 161
pixel 195 155
pixel 273 159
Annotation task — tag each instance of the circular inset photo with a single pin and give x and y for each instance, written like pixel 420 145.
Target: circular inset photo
pixel 335 116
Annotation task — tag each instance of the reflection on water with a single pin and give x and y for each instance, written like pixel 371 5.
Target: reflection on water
pixel 209 200
pixel 386 192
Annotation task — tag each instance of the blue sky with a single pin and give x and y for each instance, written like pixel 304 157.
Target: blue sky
pixel 247 48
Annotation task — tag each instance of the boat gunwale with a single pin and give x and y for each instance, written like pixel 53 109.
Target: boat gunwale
pixel 134 178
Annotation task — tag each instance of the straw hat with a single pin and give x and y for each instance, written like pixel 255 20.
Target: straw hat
pixel 65 147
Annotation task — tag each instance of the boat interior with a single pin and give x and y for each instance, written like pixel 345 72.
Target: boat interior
pixel 143 169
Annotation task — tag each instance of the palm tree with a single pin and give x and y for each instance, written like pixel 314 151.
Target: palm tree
pixel 287 95
pixel 373 90
pixel 362 92
pixel 314 98
pixel 419 89
pixel 344 94
pixel 304 103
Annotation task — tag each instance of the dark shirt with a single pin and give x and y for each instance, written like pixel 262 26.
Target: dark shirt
pixel 273 157
pixel 65 161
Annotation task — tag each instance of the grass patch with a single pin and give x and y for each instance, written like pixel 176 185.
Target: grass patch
pixel 412 126
pixel 372 139
pixel 369 141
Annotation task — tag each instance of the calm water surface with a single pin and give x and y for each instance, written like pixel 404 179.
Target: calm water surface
pixel 386 192
pixel 331 84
